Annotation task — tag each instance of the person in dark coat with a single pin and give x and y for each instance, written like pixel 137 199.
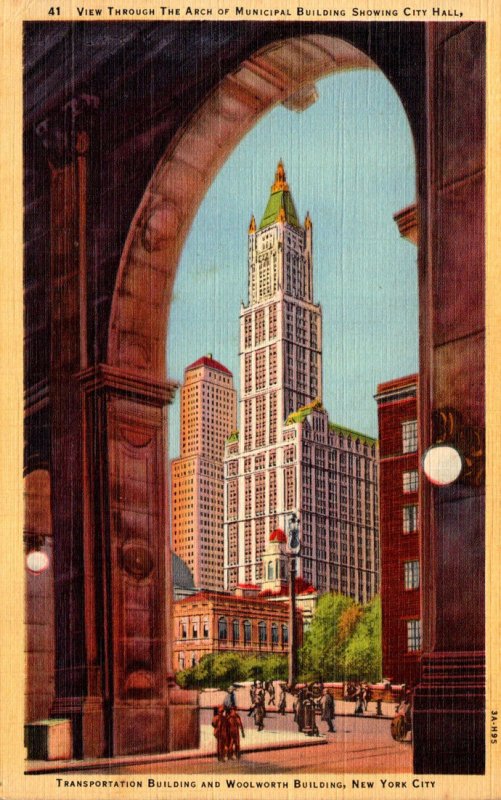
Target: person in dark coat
pixel 259 709
pixel 221 731
pixel 235 727
pixel 328 710
pixel 282 700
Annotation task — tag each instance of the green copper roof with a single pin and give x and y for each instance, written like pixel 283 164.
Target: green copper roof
pixel 277 201
pixel 233 437
pixel 301 414
pixel 280 198
pixel 354 434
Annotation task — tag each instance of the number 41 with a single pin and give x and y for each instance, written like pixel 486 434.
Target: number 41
pixel 54 11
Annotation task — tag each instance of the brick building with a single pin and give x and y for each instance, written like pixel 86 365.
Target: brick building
pixel 399 529
pixel 208 415
pixel 213 622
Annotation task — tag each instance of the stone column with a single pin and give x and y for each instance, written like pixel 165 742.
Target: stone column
pixel 65 135
pixel 449 708
pixel 128 566
pixel 112 582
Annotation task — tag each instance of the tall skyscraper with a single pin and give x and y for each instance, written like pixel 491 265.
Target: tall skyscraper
pixel 286 455
pixel 208 415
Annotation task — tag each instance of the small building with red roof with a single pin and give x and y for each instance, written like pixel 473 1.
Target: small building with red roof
pixel 217 622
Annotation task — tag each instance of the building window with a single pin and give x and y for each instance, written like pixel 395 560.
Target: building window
pixel 195 630
pixel 411 574
pixel 270 570
pixel 285 635
pixel 236 630
pixel 274 633
pixel 247 632
pixel 409 437
pixel 260 331
pixel 410 481
pixel 413 635
pixel 410 518
pixel 206 628
pixel 181 660
pixel 194 660
pixel 184 630
pixel 248 331
pixel 223 629
pixel 262 632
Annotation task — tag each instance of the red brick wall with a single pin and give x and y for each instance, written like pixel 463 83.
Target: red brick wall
pixel 398 604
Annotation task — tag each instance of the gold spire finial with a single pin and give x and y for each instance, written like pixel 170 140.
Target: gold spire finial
pixel 280 180
pixel 281 214
pixel 307 221
pixel 252 226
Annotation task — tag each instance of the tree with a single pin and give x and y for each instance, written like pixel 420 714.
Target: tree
pixel 363 652
pixel 322 655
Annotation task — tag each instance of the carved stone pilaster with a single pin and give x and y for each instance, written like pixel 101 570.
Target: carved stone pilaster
pixel 65 134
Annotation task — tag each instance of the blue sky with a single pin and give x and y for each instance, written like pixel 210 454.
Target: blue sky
pixel 349 161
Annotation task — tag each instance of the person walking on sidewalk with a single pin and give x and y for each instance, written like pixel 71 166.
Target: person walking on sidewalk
pixel 282 699
pixel 259 711
pixel 235 727
pixel 328 710
pixel 221 731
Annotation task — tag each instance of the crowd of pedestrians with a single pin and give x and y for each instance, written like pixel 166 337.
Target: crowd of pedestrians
pixel 309 701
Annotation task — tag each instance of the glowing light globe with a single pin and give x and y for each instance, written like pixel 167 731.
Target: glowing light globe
pixel 442 464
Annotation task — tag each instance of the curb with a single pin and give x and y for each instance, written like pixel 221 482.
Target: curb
pixel 127 761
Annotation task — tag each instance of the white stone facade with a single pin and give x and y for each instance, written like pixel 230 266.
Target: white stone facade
pixel 286 456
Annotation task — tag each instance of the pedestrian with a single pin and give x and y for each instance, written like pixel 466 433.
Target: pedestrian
pixel 271 691
pixel 220 725
pixel 298 707
pixel 252 692
pixel 229 701
pixel 282 700
pixel 359 701
pixel 235 727
pixel 328 710
pixel 259 711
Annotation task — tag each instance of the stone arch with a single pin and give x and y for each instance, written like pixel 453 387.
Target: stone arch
pixel 282 72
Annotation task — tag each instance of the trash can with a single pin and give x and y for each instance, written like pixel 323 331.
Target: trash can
pixel 48 740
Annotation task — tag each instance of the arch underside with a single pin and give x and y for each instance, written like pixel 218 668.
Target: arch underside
pixel 283 72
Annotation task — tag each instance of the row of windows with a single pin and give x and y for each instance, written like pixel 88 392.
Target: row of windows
pixel 262 628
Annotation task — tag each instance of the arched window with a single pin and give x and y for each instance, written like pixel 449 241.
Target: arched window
pixel 277 568
pixel 270 570
pixel 193 659
pixel 236 630
pixel 262 632
pixel 247 632
pixel 180 660
pixel 223 629
pixel 274 633
pixel 285 634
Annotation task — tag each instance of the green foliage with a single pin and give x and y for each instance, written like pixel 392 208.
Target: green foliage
pixel 323 649
pixel 219 670
pixel 343 641
pixel 363 653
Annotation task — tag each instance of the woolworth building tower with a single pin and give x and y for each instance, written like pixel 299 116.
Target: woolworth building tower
pixel 286 457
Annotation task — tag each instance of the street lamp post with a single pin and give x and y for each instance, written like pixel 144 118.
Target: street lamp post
pixel 294 547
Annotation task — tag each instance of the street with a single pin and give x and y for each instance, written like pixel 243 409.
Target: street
pixel 360 745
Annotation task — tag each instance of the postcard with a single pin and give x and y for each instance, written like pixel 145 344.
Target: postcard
pixel 250 369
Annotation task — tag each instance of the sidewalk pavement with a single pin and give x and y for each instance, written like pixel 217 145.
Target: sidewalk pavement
pixel 253 742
